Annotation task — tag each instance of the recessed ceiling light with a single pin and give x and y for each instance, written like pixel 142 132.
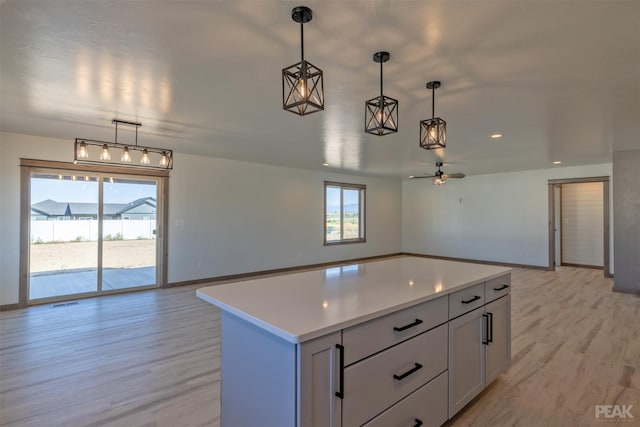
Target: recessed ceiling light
pixel 325 164
pixel 557 162
pixel 496 135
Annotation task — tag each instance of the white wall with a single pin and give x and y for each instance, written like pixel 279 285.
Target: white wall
pixel 500 217
pixel 238 217
pixel 260 217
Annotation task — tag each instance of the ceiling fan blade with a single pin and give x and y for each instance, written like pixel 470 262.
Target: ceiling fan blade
pixel 453 175
pixel 421 176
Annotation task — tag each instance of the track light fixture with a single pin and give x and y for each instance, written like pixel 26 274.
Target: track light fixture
pixel 134 156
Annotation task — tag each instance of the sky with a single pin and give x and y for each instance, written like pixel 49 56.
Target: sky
pixel 81 191
pixel 350 197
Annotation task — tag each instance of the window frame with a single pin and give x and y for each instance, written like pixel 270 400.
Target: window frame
pixel 30 166
pixel 362 193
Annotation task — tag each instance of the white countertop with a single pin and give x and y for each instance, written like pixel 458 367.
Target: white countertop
pixel 302 306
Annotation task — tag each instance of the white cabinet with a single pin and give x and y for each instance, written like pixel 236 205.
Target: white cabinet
pixel 319 382
pixel 466 359
pixel 479 343
pixel 413 361
pixel 351 377
pixel 498 347
pixel 426 407
pixel 376 383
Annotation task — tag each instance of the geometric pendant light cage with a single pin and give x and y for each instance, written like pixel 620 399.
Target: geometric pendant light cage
pixel 381 112
pixel 89 151
pixel 302 83
pixel 433 131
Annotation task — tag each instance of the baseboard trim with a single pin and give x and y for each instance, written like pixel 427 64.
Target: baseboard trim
pixel 8 307
pixel 593 267
pixel 217 280
pixel 477 261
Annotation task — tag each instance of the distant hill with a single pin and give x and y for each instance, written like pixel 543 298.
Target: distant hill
pixel 349 208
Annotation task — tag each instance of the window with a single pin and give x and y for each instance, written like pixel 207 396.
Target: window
pixel 344 207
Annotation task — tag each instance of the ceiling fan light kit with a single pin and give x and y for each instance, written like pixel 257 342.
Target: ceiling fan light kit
pixel 302 83
pixel 381 112
pixel 439 177
pixel 433 131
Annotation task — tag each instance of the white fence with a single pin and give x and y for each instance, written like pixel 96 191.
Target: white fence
pixel 79 230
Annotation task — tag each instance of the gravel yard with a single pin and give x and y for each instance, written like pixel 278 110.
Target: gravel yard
pixel 77 255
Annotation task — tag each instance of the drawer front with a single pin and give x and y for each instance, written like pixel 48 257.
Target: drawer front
pixel 498 287
pixel 374 384
pixel 427 405
pixel 466 300
pixel 363 340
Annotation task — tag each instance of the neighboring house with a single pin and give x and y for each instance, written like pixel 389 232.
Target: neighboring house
pixel 144 208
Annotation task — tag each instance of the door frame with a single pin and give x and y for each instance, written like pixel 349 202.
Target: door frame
pixel 605 214
pixel 27 166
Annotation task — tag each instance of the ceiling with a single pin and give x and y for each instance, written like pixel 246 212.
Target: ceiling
pixel 560 80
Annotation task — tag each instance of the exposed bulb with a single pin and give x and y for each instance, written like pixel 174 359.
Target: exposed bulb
pixel 105 153
pixel 302 88
pixel 145 157
pixel 126 157
pixel 82 151
pixel 164 159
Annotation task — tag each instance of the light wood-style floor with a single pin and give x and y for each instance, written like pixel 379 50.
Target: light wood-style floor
pixel 153 358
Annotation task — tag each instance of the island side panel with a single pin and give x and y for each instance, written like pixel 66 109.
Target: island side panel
pixel 258 376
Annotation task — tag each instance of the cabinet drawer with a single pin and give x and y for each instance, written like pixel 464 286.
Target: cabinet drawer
pixel 498 287
pixel 427 405
pixel 374 384
pixel 363 340
pixel 466 300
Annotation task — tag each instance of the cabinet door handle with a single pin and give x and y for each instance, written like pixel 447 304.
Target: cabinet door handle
pixel 340 392
pixel 415 368
pixel 490 330
pixel 469 301
pixel 418 423
pixel 485 317
pixel 501 288
pixel 405 327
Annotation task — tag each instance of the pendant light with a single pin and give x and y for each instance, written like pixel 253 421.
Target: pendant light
pixel 381 112
pixel 90 151
pixel 302 83
pixel 433 131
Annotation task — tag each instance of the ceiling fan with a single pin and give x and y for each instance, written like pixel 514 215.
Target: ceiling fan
pixel 439 177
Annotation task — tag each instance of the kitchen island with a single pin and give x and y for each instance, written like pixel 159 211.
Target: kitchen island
pixel 402 341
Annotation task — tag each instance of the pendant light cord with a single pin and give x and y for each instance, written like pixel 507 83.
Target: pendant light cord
pixel 433 101
pixel 381 84
pixel 301 41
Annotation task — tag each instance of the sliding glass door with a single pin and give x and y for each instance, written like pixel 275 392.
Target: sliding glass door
pixel 63 250
pixel 128 233
pixel 92 233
